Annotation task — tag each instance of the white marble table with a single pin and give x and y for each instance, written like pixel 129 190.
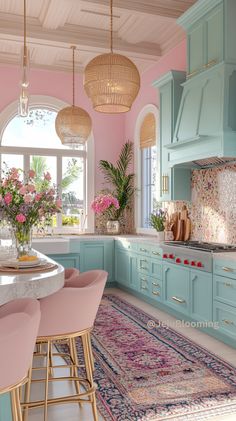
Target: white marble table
pixel 34 285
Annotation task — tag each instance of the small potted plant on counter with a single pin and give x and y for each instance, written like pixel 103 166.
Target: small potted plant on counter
pixel 157 221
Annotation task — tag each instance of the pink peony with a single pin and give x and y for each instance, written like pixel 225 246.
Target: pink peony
pixel 47 176
pixel 59 203
pixel 38 196
pixel 20 218
pixel 31 173
pixel 30 188
pixel 8 198
pixel 14 174
pixel 27 198
pixel 23 190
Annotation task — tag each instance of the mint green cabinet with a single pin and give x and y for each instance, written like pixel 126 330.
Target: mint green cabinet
pixel 70 260
pixel 97 255
pixel 174 182
pixel 201 295
pixel 126 265
pixel 176 287
pixel 5 407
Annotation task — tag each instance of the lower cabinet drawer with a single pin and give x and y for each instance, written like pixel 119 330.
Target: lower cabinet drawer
pixel 224 290
pixel 155 289
pixel 225 316
pixel 176 288
pixel 144 284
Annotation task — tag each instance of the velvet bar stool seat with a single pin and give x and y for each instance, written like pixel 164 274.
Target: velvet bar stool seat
pixel 65 315
pixel 19 322
pixel 70 274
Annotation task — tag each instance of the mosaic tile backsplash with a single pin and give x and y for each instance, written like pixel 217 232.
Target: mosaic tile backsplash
pixel 213 207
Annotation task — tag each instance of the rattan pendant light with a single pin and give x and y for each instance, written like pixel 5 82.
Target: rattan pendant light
pixel 73 124
pixel 111 80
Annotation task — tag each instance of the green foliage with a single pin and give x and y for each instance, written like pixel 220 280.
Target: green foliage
pixel 117 176
pixel 70 220
pixel 157 220
pixel 72 172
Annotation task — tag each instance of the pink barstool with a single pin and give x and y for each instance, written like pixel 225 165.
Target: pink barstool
pixel 70 274
pixel 19 322
pixel 66 315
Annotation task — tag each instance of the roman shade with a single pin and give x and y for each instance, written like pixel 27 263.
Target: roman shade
pixel 148 131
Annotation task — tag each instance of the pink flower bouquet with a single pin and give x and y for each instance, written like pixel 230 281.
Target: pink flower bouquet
pixel 23 204
pixel 105 204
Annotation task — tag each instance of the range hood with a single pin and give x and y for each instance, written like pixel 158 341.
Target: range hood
pixel 205 131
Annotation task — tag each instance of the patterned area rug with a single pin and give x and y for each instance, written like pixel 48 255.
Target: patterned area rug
pixel 156 374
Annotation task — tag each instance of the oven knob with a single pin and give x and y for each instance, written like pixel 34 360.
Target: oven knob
pixel 186 262
pixel 165 256
pixel 171 256
pixel 199 264
pixel 178 260
pixel 193 263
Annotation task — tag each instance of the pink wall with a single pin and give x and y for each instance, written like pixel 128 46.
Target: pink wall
pixel 175 59
pixel 108 130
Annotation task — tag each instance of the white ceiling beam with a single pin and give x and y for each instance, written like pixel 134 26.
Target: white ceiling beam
pixel 167 8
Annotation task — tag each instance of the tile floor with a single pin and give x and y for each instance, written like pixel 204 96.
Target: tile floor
pixel 74 413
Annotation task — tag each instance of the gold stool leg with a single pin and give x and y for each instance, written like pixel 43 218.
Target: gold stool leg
pixel 91 351
pixel 48 345
pixel 13 406
pixel 89 372
pixel 27 394
pixel 18 405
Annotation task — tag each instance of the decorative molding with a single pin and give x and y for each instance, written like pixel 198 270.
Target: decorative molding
pixel 197 11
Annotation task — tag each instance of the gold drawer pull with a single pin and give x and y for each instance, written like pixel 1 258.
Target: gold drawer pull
pixel 228 284
pixel 210 63
pixel 179 300
pixel 143 279
pixel 143 267
pixel 226 269
pixel 156 285
pixel 156 253
pixel 144 287
pixel 228 322
pixel 194 72
pixel 145 250
pixel 156 293
pixel 143 260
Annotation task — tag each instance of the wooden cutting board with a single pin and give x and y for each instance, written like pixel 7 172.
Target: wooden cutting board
pixel 187 230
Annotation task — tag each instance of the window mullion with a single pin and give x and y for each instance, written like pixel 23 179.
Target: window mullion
pixel 59 181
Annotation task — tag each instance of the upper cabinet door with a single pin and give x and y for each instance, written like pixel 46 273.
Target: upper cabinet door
pixel 214 38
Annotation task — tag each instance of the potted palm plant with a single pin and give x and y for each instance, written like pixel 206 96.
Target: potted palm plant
pixel 122 182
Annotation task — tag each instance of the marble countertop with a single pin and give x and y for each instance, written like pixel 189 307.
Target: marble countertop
pixel 35 285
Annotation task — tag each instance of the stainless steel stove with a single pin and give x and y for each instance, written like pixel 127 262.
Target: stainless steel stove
pixel 195 254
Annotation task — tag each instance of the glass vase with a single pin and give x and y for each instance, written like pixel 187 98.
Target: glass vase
pixel 113 227
pixel 22 238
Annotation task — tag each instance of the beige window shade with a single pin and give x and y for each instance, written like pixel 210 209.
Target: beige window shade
pixel 148 131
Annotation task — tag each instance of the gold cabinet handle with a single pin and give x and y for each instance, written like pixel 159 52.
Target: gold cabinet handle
pixel 143 280
pixel 156 253
pixel 228 284
pixel 165 183
pixel 226 269
pixel 178 300
pixel 156 293
pixel 210 63
pixel 156 285
pixel 143 260
pixel 143 267
pixel 228 322
pixel 194 72
pixel 145 250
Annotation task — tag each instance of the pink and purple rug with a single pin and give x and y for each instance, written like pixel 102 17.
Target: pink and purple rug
pixel 156 374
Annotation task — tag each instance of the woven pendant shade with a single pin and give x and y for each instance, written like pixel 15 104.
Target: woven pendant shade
pixel 112 82
pixel 73 126
pixel 148 131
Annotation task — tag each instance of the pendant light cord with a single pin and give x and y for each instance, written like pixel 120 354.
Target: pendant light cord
pixel 111 28
pixel 73 75
pixel 25 48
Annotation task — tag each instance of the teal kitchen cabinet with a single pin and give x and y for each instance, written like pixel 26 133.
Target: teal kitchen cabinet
pixel 5 407
pixel 176 287
pixel 174 182
pixel 96 254
pixel 70 260
pixel 224 298
pixel 125 266
pixel 201 291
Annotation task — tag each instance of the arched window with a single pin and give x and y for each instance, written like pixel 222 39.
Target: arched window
pixel 32 143
pixel 146 163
